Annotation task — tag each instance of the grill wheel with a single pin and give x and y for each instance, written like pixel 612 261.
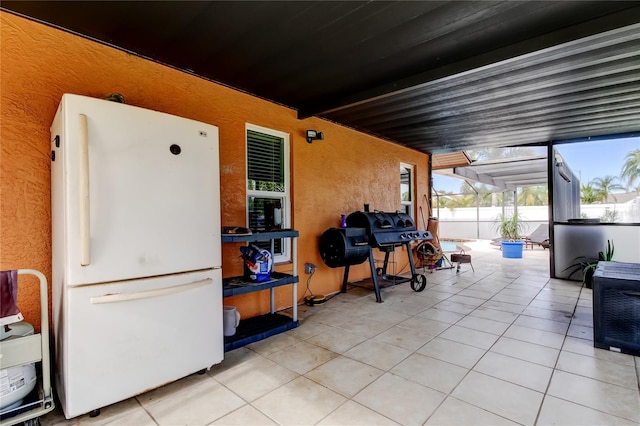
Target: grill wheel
pixel 418 282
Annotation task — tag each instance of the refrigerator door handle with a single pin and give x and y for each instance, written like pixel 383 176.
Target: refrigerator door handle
pixel 124 297
pixel 85 229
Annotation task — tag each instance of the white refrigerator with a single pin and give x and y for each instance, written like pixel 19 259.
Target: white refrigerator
pixel 137 280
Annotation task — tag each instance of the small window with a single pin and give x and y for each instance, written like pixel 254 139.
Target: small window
pixel 407 195
pixel 268 186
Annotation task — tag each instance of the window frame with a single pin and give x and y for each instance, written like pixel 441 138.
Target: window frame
pixel 579 156
pixel 412 190
pixel 284 196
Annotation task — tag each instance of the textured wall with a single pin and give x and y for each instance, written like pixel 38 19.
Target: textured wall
pixel 330 177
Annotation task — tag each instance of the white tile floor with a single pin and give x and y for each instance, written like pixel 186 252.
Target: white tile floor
pixel 502 345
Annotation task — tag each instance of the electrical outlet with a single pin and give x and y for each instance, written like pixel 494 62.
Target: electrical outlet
pixel 309 268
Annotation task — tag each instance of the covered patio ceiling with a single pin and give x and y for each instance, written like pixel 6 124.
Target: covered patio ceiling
pixel 504 174
pixel 435 76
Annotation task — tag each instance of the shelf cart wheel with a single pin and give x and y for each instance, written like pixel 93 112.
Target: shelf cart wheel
pixel 418 282
pixel 32 422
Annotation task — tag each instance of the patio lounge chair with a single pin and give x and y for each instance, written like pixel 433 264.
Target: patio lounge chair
pixel 540 237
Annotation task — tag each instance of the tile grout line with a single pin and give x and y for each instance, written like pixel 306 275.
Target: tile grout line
pixel 553 372
pixel 476 363
pixel 587 377
pixel 554 369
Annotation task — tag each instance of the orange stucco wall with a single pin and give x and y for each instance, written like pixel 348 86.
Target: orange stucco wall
pixel 329 178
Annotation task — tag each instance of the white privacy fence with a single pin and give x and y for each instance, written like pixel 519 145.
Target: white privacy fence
pixel 474 223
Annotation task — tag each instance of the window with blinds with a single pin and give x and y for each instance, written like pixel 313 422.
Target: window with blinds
pixel 268 185
pixel 265 162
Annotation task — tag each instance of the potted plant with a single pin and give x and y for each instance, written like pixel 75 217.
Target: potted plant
pixel 511 228
pixel 587 265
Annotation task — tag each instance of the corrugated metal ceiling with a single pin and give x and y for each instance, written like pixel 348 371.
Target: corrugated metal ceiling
pixel 588 87
pixel 436 76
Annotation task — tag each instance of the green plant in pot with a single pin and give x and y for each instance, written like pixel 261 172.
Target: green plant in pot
pixel 587 265
pixel 511 228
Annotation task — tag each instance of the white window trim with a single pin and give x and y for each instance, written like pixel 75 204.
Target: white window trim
pixel 412 190
pixel 285 196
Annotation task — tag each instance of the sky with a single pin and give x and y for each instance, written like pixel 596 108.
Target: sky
pixel 597 159
pixel 587 160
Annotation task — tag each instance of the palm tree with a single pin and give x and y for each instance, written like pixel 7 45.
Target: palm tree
pixel 459 201
pixel 485 199
pixel 631 167
pixel 532 196
pixel 588 194
pixel 442 199
pixel 479 190
pixel 604 186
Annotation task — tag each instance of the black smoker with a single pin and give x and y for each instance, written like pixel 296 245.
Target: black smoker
pixel 364 232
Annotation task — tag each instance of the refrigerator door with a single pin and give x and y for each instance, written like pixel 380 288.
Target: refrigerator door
pixel 119 340
pixel 140 192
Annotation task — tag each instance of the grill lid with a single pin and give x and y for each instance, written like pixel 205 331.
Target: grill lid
pixel 385 229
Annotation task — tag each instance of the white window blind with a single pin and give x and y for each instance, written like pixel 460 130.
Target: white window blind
pixel 265 162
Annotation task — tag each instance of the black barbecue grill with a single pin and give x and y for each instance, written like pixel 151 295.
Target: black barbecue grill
pixel 387 229
pixel 364 232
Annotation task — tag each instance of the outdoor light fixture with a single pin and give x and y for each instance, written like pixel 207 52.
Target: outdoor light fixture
pixel 314 135
pixel 560 166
